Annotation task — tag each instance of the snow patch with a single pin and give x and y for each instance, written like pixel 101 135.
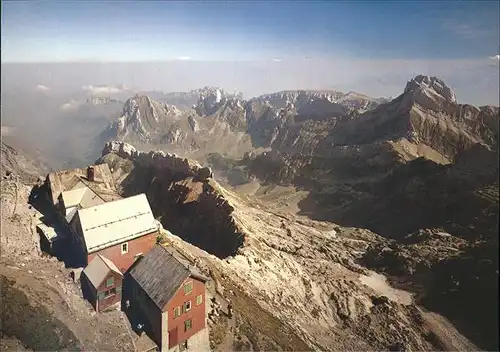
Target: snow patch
pixel 379 284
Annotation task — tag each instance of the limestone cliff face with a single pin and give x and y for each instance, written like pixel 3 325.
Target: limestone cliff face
pixel 143 118
pixel 181 192
pixel 426 113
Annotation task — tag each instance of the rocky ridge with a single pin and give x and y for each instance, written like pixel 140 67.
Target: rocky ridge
pixel 187 100
pixel 217 115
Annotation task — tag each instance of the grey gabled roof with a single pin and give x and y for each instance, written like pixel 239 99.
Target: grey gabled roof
pixel 98 269
pixel 159 274
pixel 107 224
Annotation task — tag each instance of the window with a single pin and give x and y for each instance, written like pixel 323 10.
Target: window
pixel 188 287
pixel 110 293
pixel 199 300
pixel 110 281
pixel 183 346
pixel 124 247
pixel 188 325
pixel 187 306
pixel 177 312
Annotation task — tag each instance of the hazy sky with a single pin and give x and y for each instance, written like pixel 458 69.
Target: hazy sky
pixel 208 30
pixel 373 47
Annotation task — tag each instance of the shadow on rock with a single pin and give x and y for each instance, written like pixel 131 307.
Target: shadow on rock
pixel 193 210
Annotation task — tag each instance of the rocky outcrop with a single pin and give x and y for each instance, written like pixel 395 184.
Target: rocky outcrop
pixel 193 123
pixel 188 100
pixel 424 121
pixel 181 192
pixel 182 166
pixel 210 101
pixel 299 98
pixel 274 117
pixel 144 119
pixel 431 87
pixel 17 164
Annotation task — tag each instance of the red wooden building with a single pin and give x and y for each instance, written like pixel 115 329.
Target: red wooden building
pixel 167 297
pixel 121 230
pixel 102 283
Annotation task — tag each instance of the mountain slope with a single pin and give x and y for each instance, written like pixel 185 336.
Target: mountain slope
pixel 20 163
pixel 426 113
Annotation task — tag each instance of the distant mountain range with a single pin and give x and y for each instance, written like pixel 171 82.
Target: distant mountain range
pixel 299 122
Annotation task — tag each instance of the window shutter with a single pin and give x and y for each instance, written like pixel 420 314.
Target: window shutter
pixel 118 290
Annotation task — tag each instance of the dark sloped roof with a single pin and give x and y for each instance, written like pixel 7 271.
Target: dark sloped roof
pixel 195 272
pixel 159 274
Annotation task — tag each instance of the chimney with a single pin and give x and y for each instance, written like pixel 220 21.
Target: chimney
pixel 90 174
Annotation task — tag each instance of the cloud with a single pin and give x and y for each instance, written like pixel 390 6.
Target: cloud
pixel 184 58
pixel 495 57
pixel 7 131
pixel 71 105
pixel 277 59
pixel 42 88
pixel 475 81
pixel 103 89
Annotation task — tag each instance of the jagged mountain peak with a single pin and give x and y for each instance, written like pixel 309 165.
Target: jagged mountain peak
pixel 432 86
pixel 211 101
pixel 142 115
pixel 218 91
pixel 141 100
